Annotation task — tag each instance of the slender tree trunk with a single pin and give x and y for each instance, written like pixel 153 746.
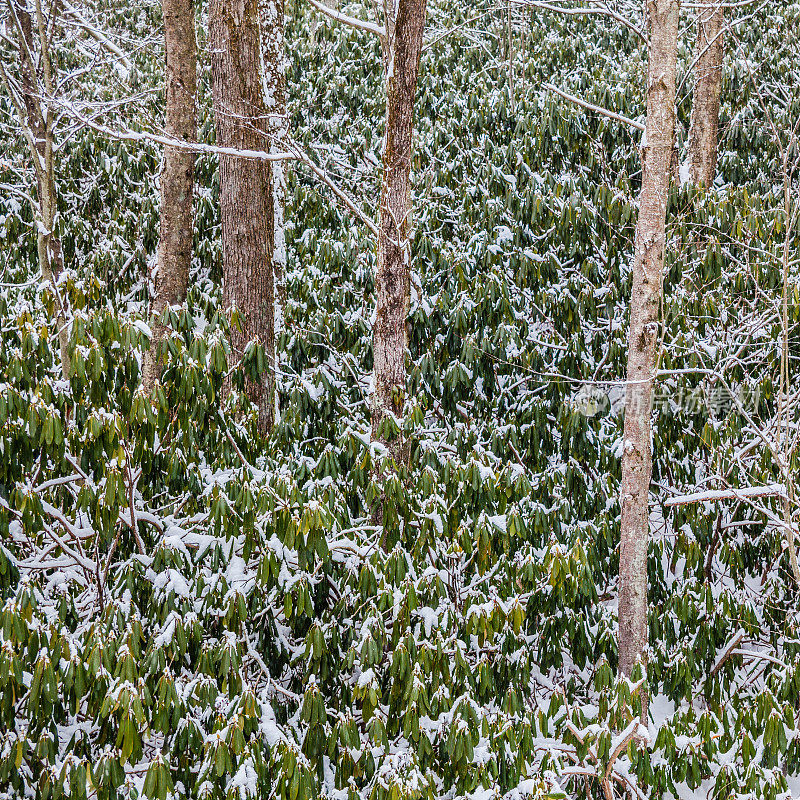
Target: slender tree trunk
pixel 704 127
pixel 274 55
pixel 392 279
pixel 784 414
pixel 170 279
pixel 510 57
pixel 36 87
pixel 245 186
pixel 646 297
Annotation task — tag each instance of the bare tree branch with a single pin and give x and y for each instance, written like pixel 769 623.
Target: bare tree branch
pixel 595 10
pixel 599 109
pixel 353 22
pixel 97 35
pixel 773 490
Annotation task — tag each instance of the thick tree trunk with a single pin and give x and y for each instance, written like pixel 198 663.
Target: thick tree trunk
pixel 392 279
pixel 170 278
pixel 704 127
pixel 646 296
pixel 245 186
pixel 274 56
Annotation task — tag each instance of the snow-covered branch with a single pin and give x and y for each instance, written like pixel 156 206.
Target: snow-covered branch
pixel 353 22
pixel 749 492
pixel 598 109
pixel 596 9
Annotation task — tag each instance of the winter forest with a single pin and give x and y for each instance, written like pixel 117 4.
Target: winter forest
pixel 397 399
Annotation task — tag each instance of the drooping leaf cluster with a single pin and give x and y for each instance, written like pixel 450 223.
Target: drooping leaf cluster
pixel 192 610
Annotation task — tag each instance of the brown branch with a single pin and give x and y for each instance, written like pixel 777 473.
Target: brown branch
pixel 727 652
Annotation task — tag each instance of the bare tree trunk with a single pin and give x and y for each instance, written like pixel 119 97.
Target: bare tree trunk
pixel 392 279
pixel 170 279
pixel 646 297
pixel 32 101
pixel 273 46
pixel 245 186
pixel 703 130
pixel 784 414
pixel 510 57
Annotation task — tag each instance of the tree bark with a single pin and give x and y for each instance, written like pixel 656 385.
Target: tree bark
pixel 392 278
pixel 170 279
pixel 274 57
pixel 510 58
pixel 37 83
pixel 245 187
pixel 646 297
pixel 704 126
pixel 31 100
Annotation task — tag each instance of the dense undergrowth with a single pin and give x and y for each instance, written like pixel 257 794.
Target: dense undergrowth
pixel 191 610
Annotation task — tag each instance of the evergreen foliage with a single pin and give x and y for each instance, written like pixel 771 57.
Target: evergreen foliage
pixel 191 610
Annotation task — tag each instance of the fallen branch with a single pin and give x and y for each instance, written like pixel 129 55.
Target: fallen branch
pixel 620 743
pixel 599 109
pixel 127 135
pixel 727 651
pixel 764 656
pixel 353 22
pixel 772 490
pixel 98 36
pixel 293 154
pixel 596 10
